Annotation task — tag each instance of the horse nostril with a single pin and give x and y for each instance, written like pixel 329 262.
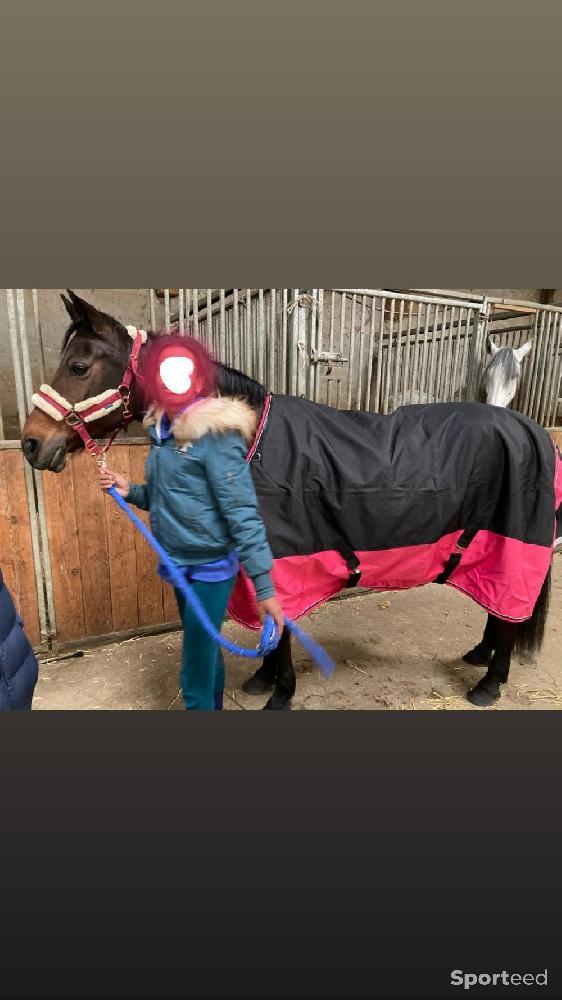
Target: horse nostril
pixel 31 448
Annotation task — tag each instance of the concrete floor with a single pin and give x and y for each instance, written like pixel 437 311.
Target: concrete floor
pixel 393 651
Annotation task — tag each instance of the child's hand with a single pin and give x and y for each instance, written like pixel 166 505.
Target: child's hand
pixel 109 478
pixel 272 607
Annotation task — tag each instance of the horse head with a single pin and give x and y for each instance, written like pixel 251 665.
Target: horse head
pixel 501 376
pixel 94 355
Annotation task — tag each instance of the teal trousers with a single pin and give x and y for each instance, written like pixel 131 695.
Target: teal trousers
pixel 202 663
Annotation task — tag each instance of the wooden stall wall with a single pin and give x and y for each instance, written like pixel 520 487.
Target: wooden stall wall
pixel 104 573
pixel 16 554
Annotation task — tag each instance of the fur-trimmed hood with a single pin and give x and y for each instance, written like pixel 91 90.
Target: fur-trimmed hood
pixel 216 415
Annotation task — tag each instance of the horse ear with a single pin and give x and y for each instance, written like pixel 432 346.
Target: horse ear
pixel 493 347
pixel 72 312
pixel 99 322
pixel 522 352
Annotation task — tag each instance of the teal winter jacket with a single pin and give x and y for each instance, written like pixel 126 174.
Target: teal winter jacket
pixel 200 492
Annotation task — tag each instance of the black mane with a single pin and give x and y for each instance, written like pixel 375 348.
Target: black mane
pixel 231 382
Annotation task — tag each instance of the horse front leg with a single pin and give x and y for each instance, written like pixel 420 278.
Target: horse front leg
pixel 265 676
pixel 285 681
pixel 502 636
pixel 481 655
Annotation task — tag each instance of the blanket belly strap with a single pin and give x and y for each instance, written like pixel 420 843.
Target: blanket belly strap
pixel 455 557
pixel 352 564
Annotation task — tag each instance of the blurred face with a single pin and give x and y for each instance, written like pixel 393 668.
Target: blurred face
pixel 177 382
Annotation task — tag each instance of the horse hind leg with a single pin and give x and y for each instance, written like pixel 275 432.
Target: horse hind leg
pixel 526 637
pixel 488 690
pixel 285 681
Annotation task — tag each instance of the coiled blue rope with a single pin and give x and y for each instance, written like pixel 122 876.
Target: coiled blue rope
pixel 269 639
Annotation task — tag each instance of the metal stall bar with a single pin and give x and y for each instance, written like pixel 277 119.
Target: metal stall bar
pixel 223 350
pixel 210 329
pixel 551 413
pixel 283 385
pixel 261 342
pixel 351 350
pixel 398 359
pixel 29 480
pixel 195 293
pixel 552 387
pixel 310 347
pixel 319 339
pixel 167 310
pixel 272 341
pixel 414 397
pixel 542 372
pixel 388 358
pixel 152 302
pixel 480 326
pixel 455 357
pixel 378 383
pixel 35 478
pixel 406 387
pixel 236 361
pixel 294 356
pixel 528 369
pixel 331 344
pixel 433 357
pixel 425 354
pixel 546 404
pixel 181 310
pixel 447 349
pixel 370 354
pixel 441 348
pixel 361 351
pixel 538 359
pixel 247 352
pixel 446 300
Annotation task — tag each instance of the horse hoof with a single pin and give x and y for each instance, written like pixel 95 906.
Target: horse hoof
pixel 481 697
pixel 477 658
pixel 276 704
pixel 256 685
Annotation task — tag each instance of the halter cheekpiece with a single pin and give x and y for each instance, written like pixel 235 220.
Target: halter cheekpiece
pixel 78 415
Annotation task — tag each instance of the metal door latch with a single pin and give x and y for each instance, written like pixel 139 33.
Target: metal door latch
pixel 326 357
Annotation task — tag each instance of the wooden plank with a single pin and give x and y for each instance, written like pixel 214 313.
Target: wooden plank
pixel 25 590
pixel 121 551
pixel 92 542
pixel 149 584
pixel 62 532
pixel 6 543
pixel 171 613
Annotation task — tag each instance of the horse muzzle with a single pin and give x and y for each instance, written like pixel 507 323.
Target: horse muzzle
pixel 45 446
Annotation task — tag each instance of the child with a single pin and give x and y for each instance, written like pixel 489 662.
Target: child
pixel 202 502
pixel 18 664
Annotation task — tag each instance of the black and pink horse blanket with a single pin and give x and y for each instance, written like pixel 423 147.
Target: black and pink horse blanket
pixel 459 493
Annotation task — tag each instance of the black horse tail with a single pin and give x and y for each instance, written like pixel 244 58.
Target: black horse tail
pixel 530 633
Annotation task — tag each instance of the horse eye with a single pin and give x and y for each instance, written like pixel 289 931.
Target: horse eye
pixel 77 368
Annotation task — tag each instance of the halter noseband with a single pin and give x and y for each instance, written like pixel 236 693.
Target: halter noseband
pixel 77 415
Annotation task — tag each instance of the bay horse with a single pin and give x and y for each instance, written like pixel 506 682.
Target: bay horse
pixel 393 501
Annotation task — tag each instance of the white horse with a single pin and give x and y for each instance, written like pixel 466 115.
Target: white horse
pixel 502 375
pixel 500 382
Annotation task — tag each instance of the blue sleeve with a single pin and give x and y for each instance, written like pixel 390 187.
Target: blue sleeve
pixel 138 496
pixel 233 487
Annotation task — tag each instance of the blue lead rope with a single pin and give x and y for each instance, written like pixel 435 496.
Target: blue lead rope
pixel 269 639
